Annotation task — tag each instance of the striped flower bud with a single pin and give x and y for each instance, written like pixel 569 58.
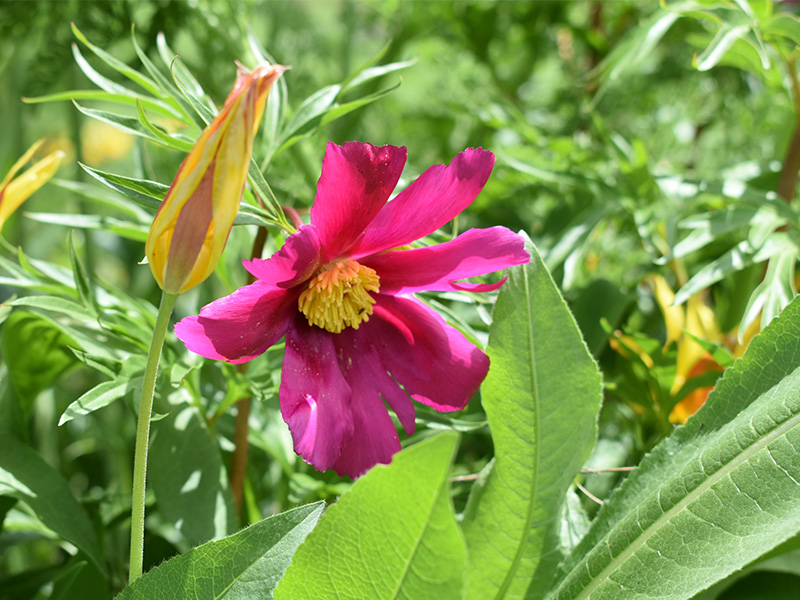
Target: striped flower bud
pixel 192 225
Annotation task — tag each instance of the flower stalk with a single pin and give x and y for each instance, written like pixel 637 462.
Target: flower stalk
pixel 143 435
pixel 241 446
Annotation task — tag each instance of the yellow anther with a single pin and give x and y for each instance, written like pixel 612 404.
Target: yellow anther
pixel 338 296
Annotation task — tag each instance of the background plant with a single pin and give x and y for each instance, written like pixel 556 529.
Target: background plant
pixel 632 141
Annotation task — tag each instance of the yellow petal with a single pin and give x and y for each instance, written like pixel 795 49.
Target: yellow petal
pixel 702 323
pixel 22 161
pixel 673 315
pixel 21 188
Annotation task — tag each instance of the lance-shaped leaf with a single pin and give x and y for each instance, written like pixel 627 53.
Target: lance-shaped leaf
pixel 393 535
pixel 542 396
pixel 246 565
pixel 717 494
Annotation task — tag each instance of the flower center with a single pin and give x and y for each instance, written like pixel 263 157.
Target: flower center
pixel 338 296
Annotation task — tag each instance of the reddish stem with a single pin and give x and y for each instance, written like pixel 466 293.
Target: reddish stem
pixel 242 427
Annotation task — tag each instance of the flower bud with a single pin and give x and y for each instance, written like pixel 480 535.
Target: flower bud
pixel 192 225
pixel 13 192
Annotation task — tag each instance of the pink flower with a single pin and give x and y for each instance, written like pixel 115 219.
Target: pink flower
pixel 341 291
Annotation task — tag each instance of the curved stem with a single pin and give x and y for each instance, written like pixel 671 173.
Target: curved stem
pixel 143 435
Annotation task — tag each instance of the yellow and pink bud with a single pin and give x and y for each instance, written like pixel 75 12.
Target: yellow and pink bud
pixel 192 225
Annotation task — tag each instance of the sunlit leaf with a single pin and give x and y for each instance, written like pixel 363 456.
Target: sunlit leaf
pixel 245 566
pixel 393 535
pixel 711 498
pixel 512 523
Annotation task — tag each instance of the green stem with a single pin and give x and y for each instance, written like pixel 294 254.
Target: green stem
pixel 143 435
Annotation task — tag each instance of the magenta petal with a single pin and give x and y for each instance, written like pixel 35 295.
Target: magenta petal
pixel 435 363
pixel 315 398
pixel 241 326
pixel 357 353
pixel 374 438
pixel 436 197
pixel 357 180
pixel 436 268
pixel 297 259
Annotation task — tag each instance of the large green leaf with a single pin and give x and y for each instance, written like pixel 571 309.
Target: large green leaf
pixel 186 473
pixel 542 396
pixel 393 535
pixel 714 496
pixel 36 353
pixel 247 565
pixel 25 476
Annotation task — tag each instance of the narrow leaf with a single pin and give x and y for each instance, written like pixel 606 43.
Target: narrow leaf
pixel 166 139
pixel 85 293
pixel 725 38
pixel 119 66
pixel 121 122
pixel 126 229
pixel 376 72
pixel 147 194
pixel 149 103
pixel 98 397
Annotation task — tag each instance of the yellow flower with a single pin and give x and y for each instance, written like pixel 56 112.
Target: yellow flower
pixel 698 319
pixel 101 142
pixel 13 192
pixel 192 225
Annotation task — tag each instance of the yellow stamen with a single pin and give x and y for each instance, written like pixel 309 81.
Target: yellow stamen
pixel 338 296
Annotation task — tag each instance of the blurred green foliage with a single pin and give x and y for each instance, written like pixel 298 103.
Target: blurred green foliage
pixel 613 146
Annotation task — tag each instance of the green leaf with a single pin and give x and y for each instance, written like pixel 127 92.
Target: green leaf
pixel 82 284
pixel 784 25
pixel 99 396
pixel 711 498
pixel 122 122
pixel 171 141
pixel 80 580
pixel 104 197
pixel 120 67
pixel 246 566
pixel 126 229
pixel 129 100
pixel 188 477
pixel 35 352
pixel 393 535
pixel 170 92
pixel 737 258
pixel 54 304
pixel 773 293
pixel 541 396
pixel 340 110
pixel 371 73
pixel 313 107
pixel 723 40
pixel 27 477
pixel 635 47
pixel 145 193
pixel 276 103
pixel 99 80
